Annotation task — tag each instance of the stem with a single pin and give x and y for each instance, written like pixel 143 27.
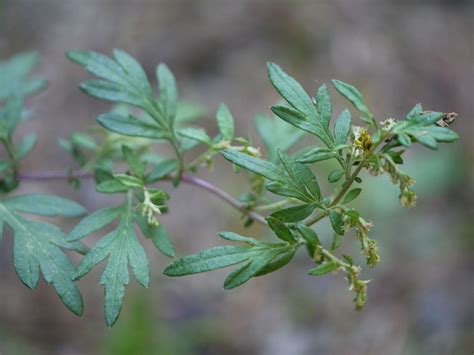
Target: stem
pixel 54 175
pixel 192 180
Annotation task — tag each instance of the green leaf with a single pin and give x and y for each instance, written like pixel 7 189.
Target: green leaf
pixel 13 76
pixel 36 249
pixel 311 238
pixel 94 222
pixel 84 140
pixel 404 139
pixel 250 269
pixel 198 134
pixel 416 110
pixel 259 258
pixel 335 176
pixel 110 91
pixel 291 90
pixel 128 180
pixel 168 92
pixel 225 122
pixel 133 70
pixel 300 120
pixel 352 195
pixel 131 126
pixel 158 235
pixel 210 259
pixel 122 249
pixel 294 214
pixel 280 229
pixel 342 127
pixel 27 143
pixel 301 177
pixel 111 186
pixel 276 135
pixel 421 127
pixel 45 205
pixel 324 269
pixel 134 161
pixel 234 237
pixel 10 115
pixel 324 105
pixel 162 169
pixel 255 165
pixel 337 222
pixel 277 263
pixel 355 97
pixel 317 154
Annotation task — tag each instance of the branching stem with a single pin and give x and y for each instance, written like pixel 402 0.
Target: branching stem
pixel 188 179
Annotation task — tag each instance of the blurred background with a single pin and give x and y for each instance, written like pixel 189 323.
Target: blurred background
pixel 397 52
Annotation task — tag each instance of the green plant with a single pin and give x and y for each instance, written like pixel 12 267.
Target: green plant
pixel 283 193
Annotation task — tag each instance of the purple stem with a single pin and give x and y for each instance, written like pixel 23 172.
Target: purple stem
pixel 192 180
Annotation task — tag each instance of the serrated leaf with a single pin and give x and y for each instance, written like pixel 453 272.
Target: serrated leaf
pixel 45 205
pixel 122 249
pixel 323 269
pixel 131 126
pixel 94 222
pixel 294 214
pixel 351 93
pixel 210 259
pixel 255 165
pixel 257 256
pixel 352 195
pixel 342 127
pixel 36 249
pixel 225 122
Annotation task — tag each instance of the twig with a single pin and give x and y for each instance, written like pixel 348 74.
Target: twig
pixel 188 179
